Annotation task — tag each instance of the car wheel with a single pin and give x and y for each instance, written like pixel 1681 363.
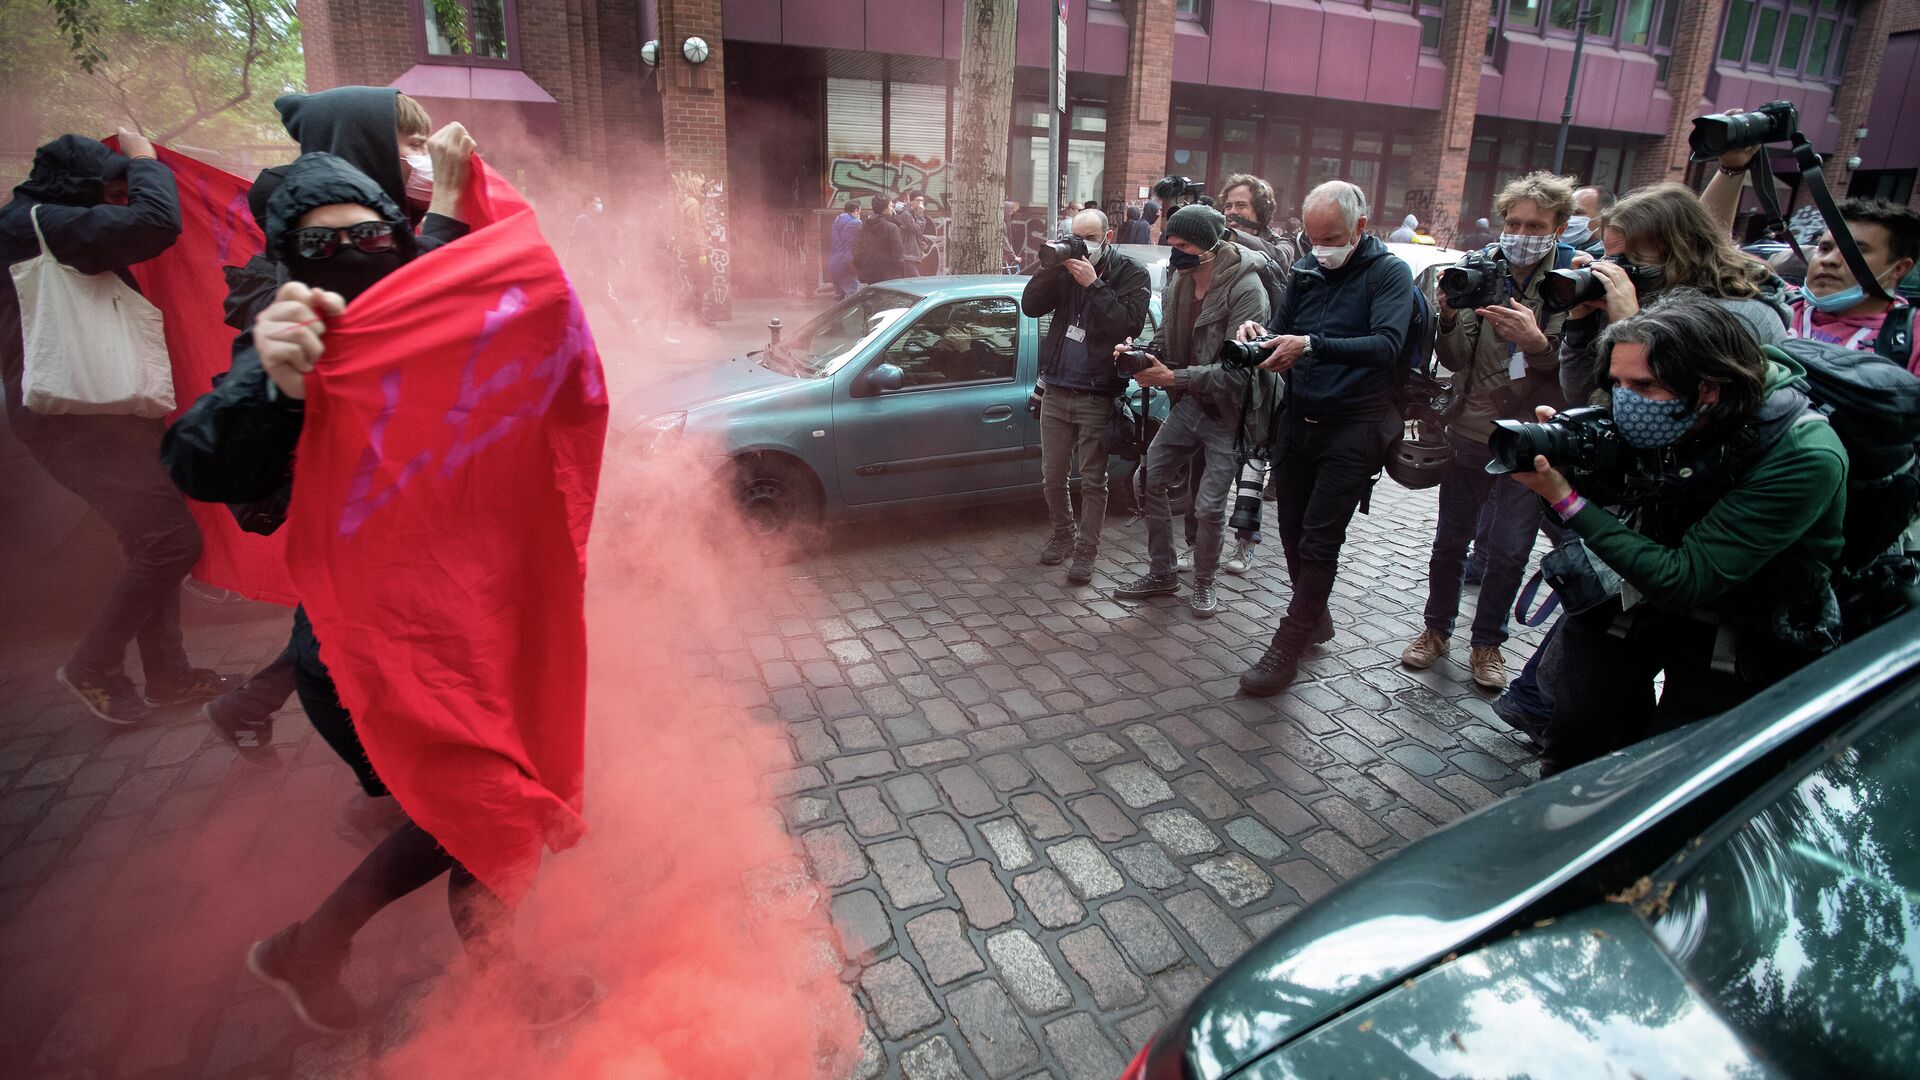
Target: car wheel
pixel 778 502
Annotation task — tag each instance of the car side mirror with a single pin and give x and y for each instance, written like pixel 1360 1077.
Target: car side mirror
pixel 886 377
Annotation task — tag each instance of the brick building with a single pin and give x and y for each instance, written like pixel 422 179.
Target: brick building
pixel 1428 104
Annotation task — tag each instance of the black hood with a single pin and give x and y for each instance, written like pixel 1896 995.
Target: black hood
pixel 321 179
pixel 352 122
pixel 72 170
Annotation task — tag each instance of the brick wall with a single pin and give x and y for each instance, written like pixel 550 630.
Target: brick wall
pixel 692 100
pixel 1137 126
pixel 1696 42
pixel 1906 17
pixel 1439 177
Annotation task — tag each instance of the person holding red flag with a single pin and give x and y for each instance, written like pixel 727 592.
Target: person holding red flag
pixel 486 780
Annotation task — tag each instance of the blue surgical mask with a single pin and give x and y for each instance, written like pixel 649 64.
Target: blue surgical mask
pixel 1183 260
pixel 1650 424
pixel 1834 303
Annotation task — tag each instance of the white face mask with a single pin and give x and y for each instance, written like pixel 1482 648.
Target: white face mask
pixel 1333 258
pixel 420 180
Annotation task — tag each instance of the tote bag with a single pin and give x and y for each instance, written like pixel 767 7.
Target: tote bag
pixel 93 345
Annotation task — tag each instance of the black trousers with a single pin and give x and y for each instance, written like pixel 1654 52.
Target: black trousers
pixel 321 700
pixel 267 689
pixel 1321 472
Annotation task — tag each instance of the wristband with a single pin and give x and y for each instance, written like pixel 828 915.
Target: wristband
pixel 1724 171
pixel 1566 508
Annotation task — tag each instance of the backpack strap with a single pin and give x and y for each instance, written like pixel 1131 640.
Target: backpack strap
pixel 1896 334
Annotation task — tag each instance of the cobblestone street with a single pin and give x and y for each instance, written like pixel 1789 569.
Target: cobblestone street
pixel 1045 818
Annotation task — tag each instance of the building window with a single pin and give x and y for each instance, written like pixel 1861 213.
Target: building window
pixel 467 31
pixel 1191 10
pixel 1633 25
pixel 1792 38
pixel 887 137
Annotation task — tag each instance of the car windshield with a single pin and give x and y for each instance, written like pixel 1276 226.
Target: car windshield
pixel 1802 922
pixel 816 348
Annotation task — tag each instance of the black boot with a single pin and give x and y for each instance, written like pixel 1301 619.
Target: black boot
pixel 1274 670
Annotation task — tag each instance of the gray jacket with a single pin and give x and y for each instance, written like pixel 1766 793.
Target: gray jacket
pixel 1191 346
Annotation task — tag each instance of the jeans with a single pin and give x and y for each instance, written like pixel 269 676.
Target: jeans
pixel 1189 427
pixel 321 700
pixel 1321 471
pixel 113 462
pixel 1073 423
pixel 845 281
pixel 1506 516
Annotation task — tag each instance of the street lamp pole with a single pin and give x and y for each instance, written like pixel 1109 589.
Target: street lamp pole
pixel 1580 21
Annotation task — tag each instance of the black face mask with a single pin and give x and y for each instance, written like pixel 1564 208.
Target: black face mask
pixel 1183 260
pixel 349 272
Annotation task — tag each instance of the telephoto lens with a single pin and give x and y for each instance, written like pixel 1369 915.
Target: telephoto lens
pixel 1560 290
pixel 1246 499
pixel 1717 133
pixel 1245 354
pixel 1055 252
pixel 1477 282
pixel 1584 439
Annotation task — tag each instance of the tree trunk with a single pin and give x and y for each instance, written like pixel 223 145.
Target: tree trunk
pixel 977 231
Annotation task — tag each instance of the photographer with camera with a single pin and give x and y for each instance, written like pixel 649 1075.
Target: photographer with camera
pixel 1658 238
pixel 1734 497
pixel 1221 404
pixel 1504 352
pixel 1248 203
pixel 1172 193
pixel 1340 338
pixel 1098 298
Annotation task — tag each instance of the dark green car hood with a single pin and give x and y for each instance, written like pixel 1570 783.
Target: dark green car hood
pixel 1452 888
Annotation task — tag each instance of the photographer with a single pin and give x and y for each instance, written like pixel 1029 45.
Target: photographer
pixel 1339 339
pixel 1736 536
pixel 1249 205
pixel 1219 408
pixel 1660 238
pixel 1505 357
pixel 1096 302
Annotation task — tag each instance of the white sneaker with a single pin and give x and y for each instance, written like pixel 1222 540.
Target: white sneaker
pixel 1183 563
pixel 1241 558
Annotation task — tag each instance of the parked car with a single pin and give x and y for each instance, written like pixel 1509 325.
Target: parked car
pixel 1736 898
pixel 908 395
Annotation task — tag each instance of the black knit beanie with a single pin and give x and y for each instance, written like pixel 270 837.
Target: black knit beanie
pixel 1201 226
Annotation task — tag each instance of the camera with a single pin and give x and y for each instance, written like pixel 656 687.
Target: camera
pixel 1179 189
pixel 1133 361
pixel 1583 439
pixel 1717 133
pixel 1055 252
pixel 1562 289
pixel 1247 487
pixel 1480 280
pixel 1245 354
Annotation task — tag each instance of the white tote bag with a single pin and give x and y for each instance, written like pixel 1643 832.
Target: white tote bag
pixel 93 345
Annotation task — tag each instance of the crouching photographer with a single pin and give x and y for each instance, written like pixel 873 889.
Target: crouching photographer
pixel 1098 299
pixel 1716 570
pixel 1222 405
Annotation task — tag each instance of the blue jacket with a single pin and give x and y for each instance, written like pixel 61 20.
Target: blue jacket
pixel 845 228
pixel 1356 318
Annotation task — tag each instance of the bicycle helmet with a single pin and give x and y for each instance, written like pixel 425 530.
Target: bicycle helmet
pixel 1422 461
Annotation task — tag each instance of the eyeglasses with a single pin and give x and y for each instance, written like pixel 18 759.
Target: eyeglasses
pixel 320 242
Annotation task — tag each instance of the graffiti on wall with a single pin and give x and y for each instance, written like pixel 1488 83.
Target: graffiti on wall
pixel 1423 204
pixel 702 263
pixel 863 178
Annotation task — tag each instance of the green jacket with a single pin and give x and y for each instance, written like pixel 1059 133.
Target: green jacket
pixel 1192 346
pixel 1771 541
pixel 1478 358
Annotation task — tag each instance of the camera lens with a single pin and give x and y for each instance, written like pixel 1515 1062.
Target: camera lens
pixel 1244 354
pixel 1562 289
pixel 1134 361
pixel 1248 487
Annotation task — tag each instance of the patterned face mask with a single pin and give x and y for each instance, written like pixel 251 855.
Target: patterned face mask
pixel 1650 424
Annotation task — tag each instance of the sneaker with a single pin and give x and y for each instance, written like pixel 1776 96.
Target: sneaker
pixel 310 980
pixel 1183 562
pixel 1148 584
pixel 201 684
pixel 1489 667
pixel 365 820
pixel 1272 672
pixel 1426 650
pixel 112 699
pixel 252 738
pixel 1241 558
pixel 1081 572
pixel 1534 728
pixel 1201 601
pixel 536 998
pixel 1057 549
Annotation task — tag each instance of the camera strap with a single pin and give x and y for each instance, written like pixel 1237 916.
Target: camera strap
pixel 1763 188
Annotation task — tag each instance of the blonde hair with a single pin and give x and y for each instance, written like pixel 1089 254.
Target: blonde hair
pixel 410 117
pixel 1551 193
pixel 1697 253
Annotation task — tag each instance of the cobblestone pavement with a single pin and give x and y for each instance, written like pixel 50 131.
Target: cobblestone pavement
pixel 1045 818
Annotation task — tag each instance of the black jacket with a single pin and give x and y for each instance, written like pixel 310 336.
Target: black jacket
pixel 879 250
pixel 1116 308
pixel 69 179
pixel 1134 231
pixel 1356 318
pixel 236 443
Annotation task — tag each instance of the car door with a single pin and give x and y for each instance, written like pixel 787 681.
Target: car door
pixel 951 425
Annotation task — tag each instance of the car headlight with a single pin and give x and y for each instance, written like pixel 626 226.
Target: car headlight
pixel 654 433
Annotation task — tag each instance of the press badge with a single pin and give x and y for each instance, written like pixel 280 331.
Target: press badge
pixel 1517 366
pixel 1075 333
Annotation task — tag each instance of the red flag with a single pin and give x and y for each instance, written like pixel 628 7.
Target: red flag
pixel 446 480
pixel 186 283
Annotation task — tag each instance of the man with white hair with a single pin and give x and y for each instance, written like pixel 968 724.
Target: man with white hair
pixel 1338 337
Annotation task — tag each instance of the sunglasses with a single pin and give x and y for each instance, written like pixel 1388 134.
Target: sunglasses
pixel 320 242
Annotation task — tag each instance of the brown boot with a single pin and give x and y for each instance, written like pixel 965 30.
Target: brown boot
pixel 1426 650
pixel 1489 667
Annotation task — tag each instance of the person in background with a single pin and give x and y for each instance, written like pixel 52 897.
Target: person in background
pixel 1405 233
pixel 101 212
pixel 1590 205
pixel 1791 268
pixel 879 251
pixel 840 252
pixel 924 225
pixel 1477 237
pixel 913 244
pixel 1134 230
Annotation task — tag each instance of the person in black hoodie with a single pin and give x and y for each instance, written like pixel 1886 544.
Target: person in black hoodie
pixel 336 233
pixel 384 134
pixel 1339 337
pixel 101 213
